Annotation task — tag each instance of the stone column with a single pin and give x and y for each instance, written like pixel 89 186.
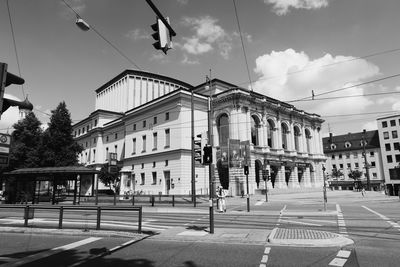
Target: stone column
pixel 305 181
pixel 294 179
pixel 280 178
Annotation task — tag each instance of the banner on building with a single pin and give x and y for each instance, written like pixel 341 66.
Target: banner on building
pixel 234 153
pixel 245 152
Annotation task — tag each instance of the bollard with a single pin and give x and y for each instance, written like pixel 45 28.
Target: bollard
pixel 140 221
pixel 60 218
pixel 133 200
pixel 26 211
pixel 173 200
pixel 98 218
pixel 152 201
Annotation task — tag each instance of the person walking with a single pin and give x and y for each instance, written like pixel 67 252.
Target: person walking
pixel 221 194
pixel 363 192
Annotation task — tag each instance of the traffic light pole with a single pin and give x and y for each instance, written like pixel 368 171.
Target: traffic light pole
pixel 161 17
pixel 193 160
pixel 366 162
pixel 211 165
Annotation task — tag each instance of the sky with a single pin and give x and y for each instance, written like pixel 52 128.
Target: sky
pixel 345 52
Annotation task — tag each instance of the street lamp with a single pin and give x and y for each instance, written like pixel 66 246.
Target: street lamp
pixel 325 198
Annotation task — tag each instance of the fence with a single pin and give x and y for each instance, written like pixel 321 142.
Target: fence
pixel 29 210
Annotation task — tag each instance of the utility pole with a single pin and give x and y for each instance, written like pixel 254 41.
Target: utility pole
pixel 211 166
pixel 325 197
pixel 193 160
pixel 365 160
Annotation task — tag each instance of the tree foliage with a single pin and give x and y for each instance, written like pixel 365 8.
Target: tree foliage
pixel 109 178
pixel 25 151
pixel 336 173
pixel 60 147
pixel 355 174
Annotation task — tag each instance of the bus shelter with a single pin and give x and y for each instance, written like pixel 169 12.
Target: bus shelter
pixel 28 183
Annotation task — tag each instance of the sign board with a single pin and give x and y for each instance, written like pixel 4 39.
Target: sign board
pixel 5 141
pixel 112 159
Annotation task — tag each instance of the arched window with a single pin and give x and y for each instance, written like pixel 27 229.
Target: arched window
pixel 255 125
pixel 285 134
pixel 271 127
pixel 297 138
pixel 223 129
pixel 308 140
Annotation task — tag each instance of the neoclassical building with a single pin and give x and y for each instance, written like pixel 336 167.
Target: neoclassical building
pixel 145 119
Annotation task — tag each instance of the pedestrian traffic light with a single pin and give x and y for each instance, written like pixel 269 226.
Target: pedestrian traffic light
pixel 197 149
pixel 207 156
pixel 265 175
pixel 161 35
pixel 246 169
pixel 7 79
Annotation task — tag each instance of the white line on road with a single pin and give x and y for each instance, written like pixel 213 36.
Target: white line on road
pixel 383 217
pixel 341 222
pixel 280 215
pixel 50 252
pixel 302 223
pixel 265 257
pixel 341 258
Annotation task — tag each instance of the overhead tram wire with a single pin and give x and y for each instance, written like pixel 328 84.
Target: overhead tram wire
pixel 326 65
pixel 15 46
pixel 244 50
pixel 344 88
pixel 105 39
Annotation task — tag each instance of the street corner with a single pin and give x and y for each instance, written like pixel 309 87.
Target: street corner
pixel 307 238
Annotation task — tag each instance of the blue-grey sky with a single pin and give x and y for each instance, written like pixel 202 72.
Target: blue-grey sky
pixel 293 47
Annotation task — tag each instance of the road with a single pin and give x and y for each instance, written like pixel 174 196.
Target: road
pixel 180 238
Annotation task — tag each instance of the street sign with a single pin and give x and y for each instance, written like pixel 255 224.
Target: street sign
pixel 5 141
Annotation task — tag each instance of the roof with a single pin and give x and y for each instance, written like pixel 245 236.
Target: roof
pixel 350 141
pixel 52 170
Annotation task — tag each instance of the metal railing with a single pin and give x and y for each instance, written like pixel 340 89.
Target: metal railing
pixel 28 212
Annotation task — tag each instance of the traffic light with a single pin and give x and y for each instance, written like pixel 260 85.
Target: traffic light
pixel 207 156
pixel 265 175
pixel 7 79
pixel 246 169
pixel 197 149
pixel 161 35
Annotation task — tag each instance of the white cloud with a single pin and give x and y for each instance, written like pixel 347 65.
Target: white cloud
pixel 188 61
pixel 290 75
pixel 370 126
pixel 208 36
pixel 137 34
pixel 281 7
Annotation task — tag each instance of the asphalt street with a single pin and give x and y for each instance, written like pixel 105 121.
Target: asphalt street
pixel 180 236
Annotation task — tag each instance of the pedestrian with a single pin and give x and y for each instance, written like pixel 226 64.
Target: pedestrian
pixel 363 192
pixel 221 194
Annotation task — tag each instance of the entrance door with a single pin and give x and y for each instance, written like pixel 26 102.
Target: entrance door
pixel 167 179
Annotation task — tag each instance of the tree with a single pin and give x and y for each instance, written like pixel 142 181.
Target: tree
pixel 355 174
pixel 110 179
pixel 25 150
pixel 60 148
pixel 336 174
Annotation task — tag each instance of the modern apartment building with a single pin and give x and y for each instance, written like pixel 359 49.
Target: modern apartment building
pixel 389 130
pixel 145 120
pixel 345 153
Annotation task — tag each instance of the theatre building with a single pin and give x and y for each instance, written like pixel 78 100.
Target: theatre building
pixel 144 120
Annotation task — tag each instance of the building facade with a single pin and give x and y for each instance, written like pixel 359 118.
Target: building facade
pixel 145 119
pixel 351 152
pixel 389 129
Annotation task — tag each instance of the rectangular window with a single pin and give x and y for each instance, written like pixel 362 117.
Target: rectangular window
pixel 394 134
pixel 154 164
pixel 397 158
pixel 384 124
pixel 167 138
pixel 387 147
pixel 155 120
pixel 95 123
pixel 106 153
pixel 142 165
pixel 348 166
pixel 134 127
pixel 396 146
pixel 87 128
pixel 166 162
pixel 133 146
pixel 374 175
pixel 144 143
pixel 394 174
pixel 107 138
pixel 333 166
pixel 142 178
pixel 115 148
pixel 154 141
pixel 167 116
pixel 94 155
pixel 389 158
pixel 116 136
pixel 385 135
pixel 356 164
pixel 144 124
pixel 154 178
pixel 340 156
pixel 392 123
pixel 372 163
pixel 372 154
pixel 341 166
pixel 333 156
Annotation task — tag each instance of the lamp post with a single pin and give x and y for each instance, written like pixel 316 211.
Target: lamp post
pixel 325 198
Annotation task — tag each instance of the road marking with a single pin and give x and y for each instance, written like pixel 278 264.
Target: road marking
pixel 383 217
pixel 341 222
pixel 259 203
pixel 280 215
pixel 50 252
pixel 265 257
pixel 302 223
pixel 341 258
